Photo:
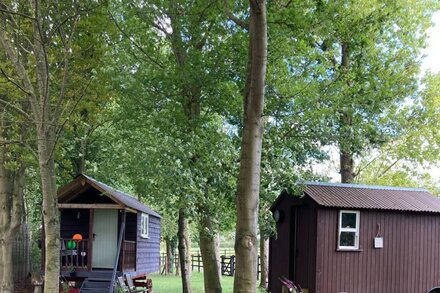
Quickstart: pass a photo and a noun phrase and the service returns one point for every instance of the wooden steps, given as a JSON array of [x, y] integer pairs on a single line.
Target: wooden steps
[[97, 281], [98, 285]]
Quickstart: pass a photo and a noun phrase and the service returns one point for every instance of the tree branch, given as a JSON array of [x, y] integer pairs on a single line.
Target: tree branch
[[21, 70], [243, 24], [57, 135], [135, 44], [388, 168], [14, 82], [42, 63], [9, 104], [15, 13]]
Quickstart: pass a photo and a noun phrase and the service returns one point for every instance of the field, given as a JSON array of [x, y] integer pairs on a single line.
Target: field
[[172, 284]]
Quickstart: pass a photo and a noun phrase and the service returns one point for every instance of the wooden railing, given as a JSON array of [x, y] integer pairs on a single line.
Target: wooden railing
[[129, 255], [74, 254]]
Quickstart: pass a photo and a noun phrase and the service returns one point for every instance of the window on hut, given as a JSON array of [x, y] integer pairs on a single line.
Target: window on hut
[[145, 219], [348, 236]]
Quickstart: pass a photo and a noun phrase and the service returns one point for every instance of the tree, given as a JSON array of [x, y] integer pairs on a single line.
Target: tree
[[376, 67], [180, 94], [249, 176], [406, 160], [42, 44], [361, 62]]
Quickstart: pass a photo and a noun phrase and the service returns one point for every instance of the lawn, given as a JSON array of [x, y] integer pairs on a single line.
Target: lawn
[[173, 284]]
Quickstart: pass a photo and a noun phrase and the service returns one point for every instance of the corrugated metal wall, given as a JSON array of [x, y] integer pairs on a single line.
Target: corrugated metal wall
[[409, 261]]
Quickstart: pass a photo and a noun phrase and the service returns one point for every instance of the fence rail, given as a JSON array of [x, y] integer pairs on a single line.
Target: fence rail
[[196, 262], [227, 263]]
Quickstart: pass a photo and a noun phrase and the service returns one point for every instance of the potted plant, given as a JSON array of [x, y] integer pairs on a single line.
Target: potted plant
[[72, 271]]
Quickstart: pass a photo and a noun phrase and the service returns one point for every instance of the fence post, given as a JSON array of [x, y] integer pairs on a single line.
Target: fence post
[[258, 267], [232, 265]]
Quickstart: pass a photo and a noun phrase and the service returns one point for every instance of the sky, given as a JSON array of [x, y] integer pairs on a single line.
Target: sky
[[432, 52]]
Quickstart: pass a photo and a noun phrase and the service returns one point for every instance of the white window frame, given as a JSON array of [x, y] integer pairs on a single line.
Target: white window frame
[[352, 230], [145, 225]]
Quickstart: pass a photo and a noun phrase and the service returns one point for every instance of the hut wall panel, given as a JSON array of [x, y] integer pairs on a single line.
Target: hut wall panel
[[70, 224], [407, 263], [92, 195], [279, 252], [281, 246], [305, 262], [148, 249]]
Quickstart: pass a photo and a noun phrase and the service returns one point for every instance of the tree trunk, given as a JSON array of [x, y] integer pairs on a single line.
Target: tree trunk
[[184, 252], [11, 207], [248, 187], [170, 250], [168, 260], [1, 264], [264, 261], [7, 282], [347, 167], [209, 248], [345, 153], [50, 209]]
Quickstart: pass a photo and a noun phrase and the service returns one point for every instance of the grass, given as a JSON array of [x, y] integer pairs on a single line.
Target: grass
[[173, 284]]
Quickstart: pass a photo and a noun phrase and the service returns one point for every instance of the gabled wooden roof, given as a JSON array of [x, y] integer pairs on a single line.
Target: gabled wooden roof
[[83, 182]]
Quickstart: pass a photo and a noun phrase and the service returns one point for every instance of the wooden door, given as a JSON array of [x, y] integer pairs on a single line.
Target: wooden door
[[293, 244], [105, 238]]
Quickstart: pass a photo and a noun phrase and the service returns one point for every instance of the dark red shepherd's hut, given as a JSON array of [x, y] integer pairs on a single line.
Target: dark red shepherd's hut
[[348, 238]]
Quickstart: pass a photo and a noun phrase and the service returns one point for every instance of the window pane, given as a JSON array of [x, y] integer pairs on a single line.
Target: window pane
[[348, 220], [347, 239]]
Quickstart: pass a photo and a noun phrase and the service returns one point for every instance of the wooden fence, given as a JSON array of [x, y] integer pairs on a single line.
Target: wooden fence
[[163, 263], [21, 254], [227, 263]]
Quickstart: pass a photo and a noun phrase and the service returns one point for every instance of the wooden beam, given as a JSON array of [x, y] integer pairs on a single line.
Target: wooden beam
[[131, 210], [89, 206]]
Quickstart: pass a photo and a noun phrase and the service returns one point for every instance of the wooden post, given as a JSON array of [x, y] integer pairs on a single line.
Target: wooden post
[[232, 263], [90, 244], [118, 250], [123, 248]]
